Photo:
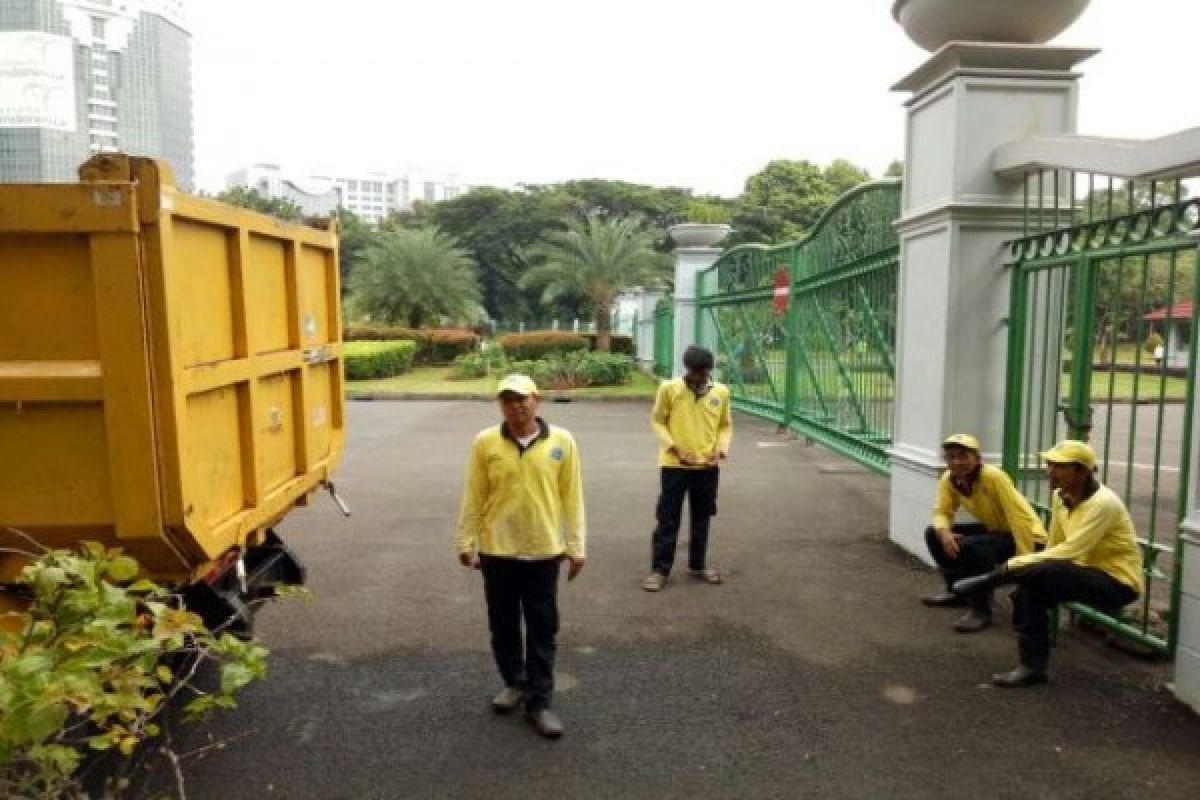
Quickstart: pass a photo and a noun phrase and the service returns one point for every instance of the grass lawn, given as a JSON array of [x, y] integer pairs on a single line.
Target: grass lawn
[[1148, 386], [436, 380]]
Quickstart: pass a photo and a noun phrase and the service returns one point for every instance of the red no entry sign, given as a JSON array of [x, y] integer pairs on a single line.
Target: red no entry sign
[[783, 290]]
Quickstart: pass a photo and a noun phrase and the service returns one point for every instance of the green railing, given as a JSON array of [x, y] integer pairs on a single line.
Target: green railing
[[664, 337], [1104, 273], [823, 363]]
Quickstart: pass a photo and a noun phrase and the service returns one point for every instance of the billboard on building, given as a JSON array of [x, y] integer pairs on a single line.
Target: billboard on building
[[37, 81]]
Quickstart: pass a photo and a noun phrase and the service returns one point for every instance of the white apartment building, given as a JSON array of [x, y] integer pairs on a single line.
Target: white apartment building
[[372, 195]]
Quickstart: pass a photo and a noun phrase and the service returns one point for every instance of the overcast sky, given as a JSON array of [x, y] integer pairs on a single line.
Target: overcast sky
[[695, 93]]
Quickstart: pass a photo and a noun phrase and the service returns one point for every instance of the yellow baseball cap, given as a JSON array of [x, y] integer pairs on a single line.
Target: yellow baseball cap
[[1070, 451], [962, 440], [518, 384]]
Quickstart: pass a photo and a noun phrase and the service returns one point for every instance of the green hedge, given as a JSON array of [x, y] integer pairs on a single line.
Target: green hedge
[[618, 343], [479, 363], [434, 345], [373, 360], [539, 344], [576, 370]]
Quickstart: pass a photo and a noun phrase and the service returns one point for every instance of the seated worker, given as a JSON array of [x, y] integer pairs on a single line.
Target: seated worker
[[1007, 526], [1092, 557]]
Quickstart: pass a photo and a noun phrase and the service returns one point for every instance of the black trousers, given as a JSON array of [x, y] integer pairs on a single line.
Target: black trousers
[[517, 588], [980, 551], [1042, 587], [700, 488]]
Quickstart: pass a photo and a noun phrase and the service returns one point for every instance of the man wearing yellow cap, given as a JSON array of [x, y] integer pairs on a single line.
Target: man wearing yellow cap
[[1007, 526], [1092, 557], [522, 515]]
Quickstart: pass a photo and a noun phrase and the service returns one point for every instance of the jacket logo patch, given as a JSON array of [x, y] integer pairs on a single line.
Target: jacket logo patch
[[716, 401], [557, 454]]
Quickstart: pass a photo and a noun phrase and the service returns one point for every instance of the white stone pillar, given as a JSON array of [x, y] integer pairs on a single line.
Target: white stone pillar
[[1187, 654], [689, 263], [966, 100]]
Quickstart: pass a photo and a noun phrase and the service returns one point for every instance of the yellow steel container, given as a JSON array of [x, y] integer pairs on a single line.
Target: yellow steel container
[[170, 366]]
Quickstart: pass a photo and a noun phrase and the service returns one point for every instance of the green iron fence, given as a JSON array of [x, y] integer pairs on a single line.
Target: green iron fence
[[1102, 337], [664, 337], [822, 363]]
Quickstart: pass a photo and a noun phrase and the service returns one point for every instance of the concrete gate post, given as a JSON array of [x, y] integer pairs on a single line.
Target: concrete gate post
[[1187, 653], [966, 100], [696, 250]]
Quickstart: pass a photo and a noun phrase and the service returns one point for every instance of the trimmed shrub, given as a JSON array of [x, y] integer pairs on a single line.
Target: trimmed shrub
[[606, 369], [618, 343], [443, 345], [373, 360], [577, 369], [379, 333], [479, 364], [434, 345], [539, 344]]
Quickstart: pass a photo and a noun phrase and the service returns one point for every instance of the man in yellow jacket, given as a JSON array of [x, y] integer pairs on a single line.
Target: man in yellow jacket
[[1007, 526], [1092, 557], [522, 515], [694, 425]]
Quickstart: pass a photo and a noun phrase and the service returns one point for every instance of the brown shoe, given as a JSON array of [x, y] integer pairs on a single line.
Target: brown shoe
[[545, 722], [709, 575], [654, 582]]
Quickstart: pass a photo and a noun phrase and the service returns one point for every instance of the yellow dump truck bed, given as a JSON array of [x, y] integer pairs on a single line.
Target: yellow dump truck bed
[[170, 366]]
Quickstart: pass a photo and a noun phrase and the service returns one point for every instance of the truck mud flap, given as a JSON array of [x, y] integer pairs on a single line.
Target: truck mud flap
[[229, 601]]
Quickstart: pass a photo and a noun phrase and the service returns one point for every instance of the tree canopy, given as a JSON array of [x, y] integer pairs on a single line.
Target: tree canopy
[[415, 278], [595, 258]]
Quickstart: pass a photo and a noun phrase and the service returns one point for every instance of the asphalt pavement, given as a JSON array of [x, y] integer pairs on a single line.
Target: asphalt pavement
[[812, 673]]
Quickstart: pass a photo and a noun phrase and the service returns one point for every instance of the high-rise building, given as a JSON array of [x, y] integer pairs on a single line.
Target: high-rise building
[[372, 195], [79, 77]]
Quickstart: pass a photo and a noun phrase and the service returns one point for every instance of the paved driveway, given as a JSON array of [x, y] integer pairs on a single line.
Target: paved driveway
[[812, 673]]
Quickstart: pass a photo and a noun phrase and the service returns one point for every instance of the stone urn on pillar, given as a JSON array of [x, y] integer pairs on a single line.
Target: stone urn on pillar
[[698, 234], [933, 23]]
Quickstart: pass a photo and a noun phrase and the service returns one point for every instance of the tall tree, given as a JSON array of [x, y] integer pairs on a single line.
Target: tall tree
[[250, 198], [354, 236], [843, 176], [784, 200], [597, 257], [497, 226], [416, 278]]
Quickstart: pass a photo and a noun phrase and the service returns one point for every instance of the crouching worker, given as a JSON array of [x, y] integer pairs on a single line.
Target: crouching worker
[[1092, 557], [1007, 526], [522, 516]]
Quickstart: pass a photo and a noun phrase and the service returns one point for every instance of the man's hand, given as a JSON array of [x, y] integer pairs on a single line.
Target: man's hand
[[950, 541], [574, 567], [469, 560], [714, 458], [687, 458]]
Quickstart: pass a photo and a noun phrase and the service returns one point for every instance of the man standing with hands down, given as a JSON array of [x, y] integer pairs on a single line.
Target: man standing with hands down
[[694, 425], [1092, 557], [522, 515]]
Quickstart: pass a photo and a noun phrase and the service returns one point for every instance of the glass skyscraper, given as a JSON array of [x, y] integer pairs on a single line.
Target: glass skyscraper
[[79, 77]]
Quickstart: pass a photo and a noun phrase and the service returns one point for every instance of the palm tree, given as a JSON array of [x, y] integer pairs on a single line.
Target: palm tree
[[414, 277], [595, 258]]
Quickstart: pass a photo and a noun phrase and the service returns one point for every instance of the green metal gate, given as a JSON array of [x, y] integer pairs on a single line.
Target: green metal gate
[[664, 337], [824, 364], [1102, 338]]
